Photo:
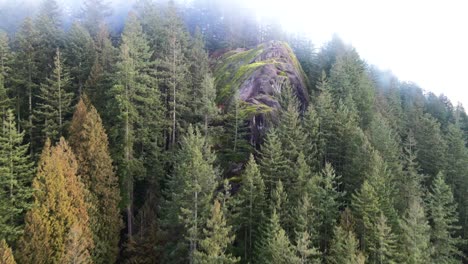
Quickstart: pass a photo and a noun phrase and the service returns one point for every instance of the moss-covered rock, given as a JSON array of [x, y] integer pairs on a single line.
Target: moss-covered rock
[[259, 74]]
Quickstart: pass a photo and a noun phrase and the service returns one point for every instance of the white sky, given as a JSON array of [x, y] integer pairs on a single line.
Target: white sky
[[421, 41]]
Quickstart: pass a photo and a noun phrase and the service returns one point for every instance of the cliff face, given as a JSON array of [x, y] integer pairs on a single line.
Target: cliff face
[[259, 75]]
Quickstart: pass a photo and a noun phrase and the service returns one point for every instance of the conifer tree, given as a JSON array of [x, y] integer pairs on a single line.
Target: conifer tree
[[55, 101], [89, 142], [25, 78], [273, 163], [249, 209], [174, 68], [6, 254], [274, 246], [16, 173], [190, 190], [344, 248], [326, 197], [80, 56], [312, 144], [385, 248], [415, 238], [217, 237], [442, 210], [48, 25], [94, 14], [306, 252], [138, 122], [59, 207], [5, 74]]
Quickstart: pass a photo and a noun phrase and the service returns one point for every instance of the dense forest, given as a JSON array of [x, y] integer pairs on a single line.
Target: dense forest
[[143, 144]]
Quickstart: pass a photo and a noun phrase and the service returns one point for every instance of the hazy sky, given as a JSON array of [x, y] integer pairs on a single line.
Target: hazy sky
[[421, 41]]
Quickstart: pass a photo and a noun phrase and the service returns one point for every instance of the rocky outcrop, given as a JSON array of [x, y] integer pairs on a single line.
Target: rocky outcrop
[[259, 75]]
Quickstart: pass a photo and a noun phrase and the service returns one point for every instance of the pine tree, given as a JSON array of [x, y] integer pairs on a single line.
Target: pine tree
[[16, 173], [442, 210], [274, 246], [59, 207], [6, 254], [217, 237], [306, 252], [55, 101], [415, 244], [89, 142], [190, 190], [249, 209]]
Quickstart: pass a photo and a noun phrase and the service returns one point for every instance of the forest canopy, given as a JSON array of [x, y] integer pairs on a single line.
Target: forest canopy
[[195, 133]]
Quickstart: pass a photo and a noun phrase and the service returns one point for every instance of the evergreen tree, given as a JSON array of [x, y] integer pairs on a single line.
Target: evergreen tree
[[415, 244], [80, 56], [273, 163], [312, 142], [174, 68], [306, 252], [48, 25], [274, 246], [59, 208], [190, 190], [249, 209], [344, 248], [94, 14], [6, 255], [55, 101], [16, 173], [25, 78], [442, 210], [138, 122], [89, 142], [217, 238], [5, 74], [326, 198], [385, 248]]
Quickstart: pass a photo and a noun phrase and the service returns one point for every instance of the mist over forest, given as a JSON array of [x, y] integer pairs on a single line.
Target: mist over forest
[[201, 132]]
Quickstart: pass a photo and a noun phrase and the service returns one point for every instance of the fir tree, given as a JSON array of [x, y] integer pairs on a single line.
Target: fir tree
[[59, 206], [442, 210], [415, 238], [273, 163], [25, 78], [137, 102], [79, 53], [274, 246], [94, 14], [55, 101], [249, 209], [217, 238], [89, 142], [326, 197], [16, 173], [344, 248], [385, 248], [5, 74], [190, 190], [6, 254]]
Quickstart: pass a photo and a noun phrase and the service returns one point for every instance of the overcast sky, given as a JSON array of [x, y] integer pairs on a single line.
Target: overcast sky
[[421, 41]]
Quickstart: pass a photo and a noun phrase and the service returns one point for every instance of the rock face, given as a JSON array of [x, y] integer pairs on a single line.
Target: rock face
[[259, 75]]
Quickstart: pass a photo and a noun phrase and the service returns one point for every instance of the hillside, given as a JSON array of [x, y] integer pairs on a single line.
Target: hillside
[[198, 135]]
